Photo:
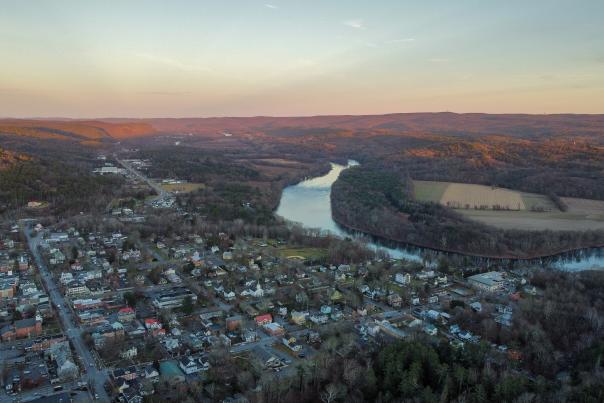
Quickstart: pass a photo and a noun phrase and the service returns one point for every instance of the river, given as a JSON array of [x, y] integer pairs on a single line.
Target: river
[[308, 203]]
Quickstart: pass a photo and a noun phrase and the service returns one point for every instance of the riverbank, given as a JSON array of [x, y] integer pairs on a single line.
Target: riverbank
[[309, 204], [528, 258], [323, 169]]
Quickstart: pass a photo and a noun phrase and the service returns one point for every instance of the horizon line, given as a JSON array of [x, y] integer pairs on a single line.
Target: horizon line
[[65, 118]]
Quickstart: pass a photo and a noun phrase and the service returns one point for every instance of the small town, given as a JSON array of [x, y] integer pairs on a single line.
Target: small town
[[119, 316]]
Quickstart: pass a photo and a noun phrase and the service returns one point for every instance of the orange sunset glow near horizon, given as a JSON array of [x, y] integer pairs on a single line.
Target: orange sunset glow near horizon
[[293, 58]]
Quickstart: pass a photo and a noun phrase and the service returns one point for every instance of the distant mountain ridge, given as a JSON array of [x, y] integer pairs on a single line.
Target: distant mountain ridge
[[85, 132], [443, 123], [434, 123]]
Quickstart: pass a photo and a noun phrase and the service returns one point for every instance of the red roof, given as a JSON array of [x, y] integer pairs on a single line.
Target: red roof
[[126, 310], [152, 323], [264, 318]]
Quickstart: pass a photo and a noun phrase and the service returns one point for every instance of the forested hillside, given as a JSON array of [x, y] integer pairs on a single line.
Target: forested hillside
[[64, 189], [10, 158], [92, 133], [563, 154]]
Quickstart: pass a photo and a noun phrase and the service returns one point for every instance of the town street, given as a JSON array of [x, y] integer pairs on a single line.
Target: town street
[[161, 193], [93, 376]]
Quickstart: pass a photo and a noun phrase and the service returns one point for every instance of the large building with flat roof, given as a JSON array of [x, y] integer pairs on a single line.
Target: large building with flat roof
[[490, 281], [173, 298]]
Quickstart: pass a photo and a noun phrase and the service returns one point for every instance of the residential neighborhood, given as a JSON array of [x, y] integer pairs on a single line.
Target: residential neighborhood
[[118, 316]]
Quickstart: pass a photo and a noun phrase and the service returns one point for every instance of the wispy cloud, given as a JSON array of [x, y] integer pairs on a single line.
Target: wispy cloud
[[401, 40], [177, 64], [268, 5], [356, 24]]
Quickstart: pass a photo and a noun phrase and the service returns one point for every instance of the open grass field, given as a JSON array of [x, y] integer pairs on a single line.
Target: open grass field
[[533, 221], [302, 253], [534, 201], [582, 214], [429, 191], [469, 196], [461, 195], [280, 161], [182, 187], [593, 209]]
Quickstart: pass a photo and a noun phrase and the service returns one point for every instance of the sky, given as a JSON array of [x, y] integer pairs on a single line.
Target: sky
[[145, 58]]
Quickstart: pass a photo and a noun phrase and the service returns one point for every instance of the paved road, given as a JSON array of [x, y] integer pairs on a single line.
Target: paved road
[[93, 376], [263, 340], [47, 390], [162, 194]]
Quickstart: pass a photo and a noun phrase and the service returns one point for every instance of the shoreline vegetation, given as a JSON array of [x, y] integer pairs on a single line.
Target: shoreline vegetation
[[399, 243], [373, 200]]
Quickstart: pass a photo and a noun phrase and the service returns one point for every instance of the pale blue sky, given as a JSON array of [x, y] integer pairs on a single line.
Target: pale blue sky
[[241, 58]]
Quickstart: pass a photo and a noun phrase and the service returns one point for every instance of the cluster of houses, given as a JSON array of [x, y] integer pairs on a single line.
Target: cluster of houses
[[81, 264], [160, 321], [39, 353], [431, 312], [45, 361], [24, 304]]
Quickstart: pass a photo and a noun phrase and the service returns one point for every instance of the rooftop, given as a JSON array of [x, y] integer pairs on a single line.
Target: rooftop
[[491, 278]]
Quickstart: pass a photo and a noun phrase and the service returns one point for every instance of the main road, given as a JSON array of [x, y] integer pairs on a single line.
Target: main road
[[162, 194], [94, 376]]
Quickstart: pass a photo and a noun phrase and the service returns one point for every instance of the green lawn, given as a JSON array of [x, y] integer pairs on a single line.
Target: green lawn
[[429, 191], [302, 252], [534, 200]]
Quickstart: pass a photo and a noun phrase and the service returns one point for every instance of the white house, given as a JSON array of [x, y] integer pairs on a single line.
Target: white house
[[402, 278], [129, 352], [188, 365], [66, 278], [318, 319]]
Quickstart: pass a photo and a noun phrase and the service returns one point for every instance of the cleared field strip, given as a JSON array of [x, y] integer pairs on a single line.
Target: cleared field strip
[[593, 209], [182, 187], [532, 221], [458, 195], [534, 202], [480, 197], [280, 161], [302, 253], [429, 191], [536, 212]]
